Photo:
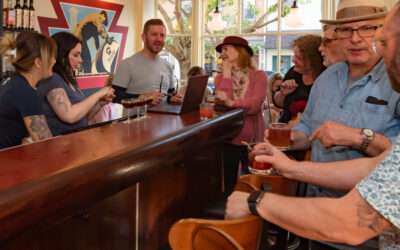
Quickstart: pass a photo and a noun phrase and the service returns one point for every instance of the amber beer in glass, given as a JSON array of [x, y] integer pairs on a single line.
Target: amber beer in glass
[[279, 135], [128, 103], [206, 111], [261, 168]]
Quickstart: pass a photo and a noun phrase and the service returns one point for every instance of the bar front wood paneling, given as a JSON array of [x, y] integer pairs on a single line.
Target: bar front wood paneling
[[118, 186]]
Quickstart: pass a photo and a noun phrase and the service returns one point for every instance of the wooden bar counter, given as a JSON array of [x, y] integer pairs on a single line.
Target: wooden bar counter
[[119, 186]]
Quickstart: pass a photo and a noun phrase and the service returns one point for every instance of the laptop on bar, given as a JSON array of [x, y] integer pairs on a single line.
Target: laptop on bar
[[191, 101]]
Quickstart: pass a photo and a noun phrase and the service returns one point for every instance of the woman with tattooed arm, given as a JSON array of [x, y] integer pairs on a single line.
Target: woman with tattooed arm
[[21, 112], [65, 106]]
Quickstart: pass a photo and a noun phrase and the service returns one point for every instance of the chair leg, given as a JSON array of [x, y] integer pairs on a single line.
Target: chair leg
[[273, 237], [282, 239], [263, 243]]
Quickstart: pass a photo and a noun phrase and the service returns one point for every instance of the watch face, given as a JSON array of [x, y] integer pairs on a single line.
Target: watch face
[[368, 132]]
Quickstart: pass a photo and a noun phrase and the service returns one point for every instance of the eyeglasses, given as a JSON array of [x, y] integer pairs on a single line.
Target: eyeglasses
[[326, 41], [363, 31]]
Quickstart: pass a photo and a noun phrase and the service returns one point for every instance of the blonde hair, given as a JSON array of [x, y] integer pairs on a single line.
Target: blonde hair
[[244, 60], [29, 46]]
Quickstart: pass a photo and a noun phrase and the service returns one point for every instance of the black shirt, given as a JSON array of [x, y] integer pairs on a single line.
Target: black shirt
[[18, 99], [295, 102]]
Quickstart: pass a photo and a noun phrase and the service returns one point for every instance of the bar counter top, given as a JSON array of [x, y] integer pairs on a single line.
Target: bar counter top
[[61, 174]]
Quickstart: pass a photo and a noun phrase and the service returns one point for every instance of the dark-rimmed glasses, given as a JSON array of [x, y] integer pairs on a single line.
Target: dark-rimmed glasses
[[363, 31], [326, 41]]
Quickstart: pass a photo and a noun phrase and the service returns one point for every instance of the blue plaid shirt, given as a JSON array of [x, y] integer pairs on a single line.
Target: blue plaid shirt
[[332, 98]]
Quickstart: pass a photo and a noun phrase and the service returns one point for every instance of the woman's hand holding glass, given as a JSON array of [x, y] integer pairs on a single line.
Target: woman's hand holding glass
[[107, 94], [222, 98]]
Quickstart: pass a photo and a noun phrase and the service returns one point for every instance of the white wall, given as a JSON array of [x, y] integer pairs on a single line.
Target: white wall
[[390, 3]]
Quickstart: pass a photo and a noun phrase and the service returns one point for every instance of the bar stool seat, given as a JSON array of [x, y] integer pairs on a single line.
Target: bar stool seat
[[246, 233], [240, 234]]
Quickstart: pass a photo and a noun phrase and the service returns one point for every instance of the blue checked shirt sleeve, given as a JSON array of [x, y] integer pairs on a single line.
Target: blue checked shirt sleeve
[[381, 189]]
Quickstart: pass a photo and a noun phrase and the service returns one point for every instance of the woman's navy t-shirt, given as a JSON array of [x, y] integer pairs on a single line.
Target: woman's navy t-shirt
[[56, 125], [18, 99]]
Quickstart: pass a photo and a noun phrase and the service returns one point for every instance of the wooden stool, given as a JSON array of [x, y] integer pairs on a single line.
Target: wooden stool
[[191, 234], [244, 233]]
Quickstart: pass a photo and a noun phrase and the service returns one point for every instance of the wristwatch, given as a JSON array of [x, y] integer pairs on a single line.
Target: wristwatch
[[367, 136], [253, 200]]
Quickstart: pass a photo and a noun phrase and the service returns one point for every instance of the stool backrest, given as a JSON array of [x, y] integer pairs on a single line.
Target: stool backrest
[[198, 234]]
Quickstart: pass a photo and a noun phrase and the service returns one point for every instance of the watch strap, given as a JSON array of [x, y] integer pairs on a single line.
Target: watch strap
[[253, 199], [366, 140]]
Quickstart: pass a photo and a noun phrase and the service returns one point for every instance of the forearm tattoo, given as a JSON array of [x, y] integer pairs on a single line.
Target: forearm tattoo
[[37, 127], [369, 217], [96, 108], [58, 99]]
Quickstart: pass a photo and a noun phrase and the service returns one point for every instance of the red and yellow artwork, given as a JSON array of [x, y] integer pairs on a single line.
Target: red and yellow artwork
[[95, 23]]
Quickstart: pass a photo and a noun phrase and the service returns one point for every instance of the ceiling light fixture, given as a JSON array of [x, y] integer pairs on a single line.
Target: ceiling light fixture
[[293, 20], [216, 23]]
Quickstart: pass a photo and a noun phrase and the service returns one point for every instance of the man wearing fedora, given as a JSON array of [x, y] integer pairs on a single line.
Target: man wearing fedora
[[352, 110], [371, 208]]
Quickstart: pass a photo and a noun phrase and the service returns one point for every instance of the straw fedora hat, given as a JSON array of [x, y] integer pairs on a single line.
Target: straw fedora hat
[[357, 10], [237, 41]]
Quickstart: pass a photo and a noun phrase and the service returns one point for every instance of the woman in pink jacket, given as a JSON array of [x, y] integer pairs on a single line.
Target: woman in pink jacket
[[240, 85]]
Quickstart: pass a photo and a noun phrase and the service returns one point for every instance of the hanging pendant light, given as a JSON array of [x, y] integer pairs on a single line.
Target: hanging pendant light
[[216, 23], [293, 20]]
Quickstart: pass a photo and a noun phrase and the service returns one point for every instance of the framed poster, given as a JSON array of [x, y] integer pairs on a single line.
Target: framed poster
[[95, 23]]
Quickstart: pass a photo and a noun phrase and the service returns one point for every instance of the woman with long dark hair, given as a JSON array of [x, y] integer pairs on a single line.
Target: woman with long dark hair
[[65, 105], [21, 113]]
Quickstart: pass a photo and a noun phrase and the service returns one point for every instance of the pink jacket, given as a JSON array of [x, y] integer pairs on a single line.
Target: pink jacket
[[253, 128]]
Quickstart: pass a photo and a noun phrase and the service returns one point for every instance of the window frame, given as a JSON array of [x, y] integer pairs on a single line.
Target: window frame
[[199, 35]]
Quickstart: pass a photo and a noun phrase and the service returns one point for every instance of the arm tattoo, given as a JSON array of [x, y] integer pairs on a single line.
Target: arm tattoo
[[96, 108], [57, 99], [369, 217], [37, 127]]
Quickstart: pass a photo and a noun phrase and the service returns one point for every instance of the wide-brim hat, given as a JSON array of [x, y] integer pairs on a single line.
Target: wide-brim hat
[[236, 41], [357, 10]]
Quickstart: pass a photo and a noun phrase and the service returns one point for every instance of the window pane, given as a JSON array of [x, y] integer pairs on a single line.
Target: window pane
[[179, 48], [272, 9], [210, 55], [229, 12], [264, 48], [305, 17], [259, 15], [287, 52], [176, 67], [166, 11], [266, 52]]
